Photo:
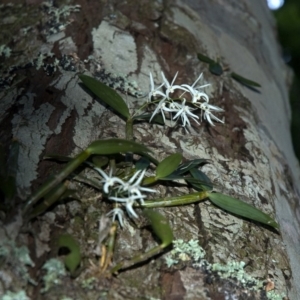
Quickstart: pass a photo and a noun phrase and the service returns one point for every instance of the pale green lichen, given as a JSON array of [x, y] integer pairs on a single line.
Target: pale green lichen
[[21, 295], [185, 251], [55, 269], [272, 295], [17, 258], [235, 270], [192, 251], [88, 283], [5, 51]]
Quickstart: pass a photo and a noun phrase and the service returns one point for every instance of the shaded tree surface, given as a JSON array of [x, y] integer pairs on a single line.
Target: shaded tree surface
[[45, 109]]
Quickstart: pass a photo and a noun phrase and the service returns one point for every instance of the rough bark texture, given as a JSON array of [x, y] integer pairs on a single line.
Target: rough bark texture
[[251, 155]]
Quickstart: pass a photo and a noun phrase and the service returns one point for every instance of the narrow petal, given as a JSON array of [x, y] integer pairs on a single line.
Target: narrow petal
[[159, 107], [174, 78], [130, 210], [140, 178], [118, 199], [165, 80], [207, 117], [197, 80], [147, 190], [102, 173], [151, 82], [117, 213], [135, 175]]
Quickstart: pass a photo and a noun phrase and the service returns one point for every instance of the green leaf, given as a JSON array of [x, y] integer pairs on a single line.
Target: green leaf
[[60, 158], [113, 146], [100, 161], [241, 208], [106, 94], [205, 59], [73, 259], [203, 184], [95, 183], [158, 118], [187, 166], [53, 196], [160, 226], [244, 80], [96, 161], [215, 68], [142, 164], [168, 165]]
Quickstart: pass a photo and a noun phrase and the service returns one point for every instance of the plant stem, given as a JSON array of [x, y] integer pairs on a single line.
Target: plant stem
[[55, 180], [175, 201], [139, 258], [129, 129]]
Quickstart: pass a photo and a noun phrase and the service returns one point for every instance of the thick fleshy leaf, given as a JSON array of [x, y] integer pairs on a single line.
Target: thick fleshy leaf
[[160, 226], [205, 59], [204, 183], [73, 259], [241, 208], [113, 146], [106, 94], [244, 81], [188, 165], [59, 192], [96, 161], [158, 119], [142, 163], [215, 68], [95, 183], [168, 165], [100, 161]]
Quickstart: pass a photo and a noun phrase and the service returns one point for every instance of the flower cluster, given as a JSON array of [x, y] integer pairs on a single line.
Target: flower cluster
[[182, 107], [126, 193]]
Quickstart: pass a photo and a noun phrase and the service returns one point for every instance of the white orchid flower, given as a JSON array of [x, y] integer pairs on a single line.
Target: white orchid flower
[[206, 111], [170, 88], [134, 189], [184, 112], [160, 107], [108, 180]]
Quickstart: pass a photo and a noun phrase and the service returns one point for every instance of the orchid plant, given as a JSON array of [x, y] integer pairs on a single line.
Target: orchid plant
[[126, 185]]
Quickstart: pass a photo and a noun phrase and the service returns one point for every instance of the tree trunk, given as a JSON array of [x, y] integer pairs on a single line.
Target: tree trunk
[[251, 155]]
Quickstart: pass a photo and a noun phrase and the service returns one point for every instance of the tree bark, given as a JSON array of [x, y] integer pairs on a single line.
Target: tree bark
[[251, 156]]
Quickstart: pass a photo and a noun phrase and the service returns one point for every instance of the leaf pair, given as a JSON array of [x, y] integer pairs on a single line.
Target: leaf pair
[[171, 169], [216, 69]]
